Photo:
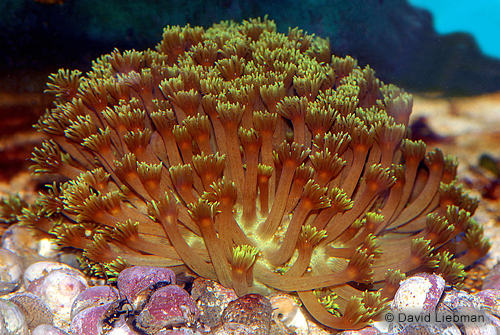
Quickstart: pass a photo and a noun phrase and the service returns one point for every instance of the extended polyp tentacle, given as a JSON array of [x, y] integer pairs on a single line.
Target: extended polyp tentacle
[[265, 124], [394, 198], [355, 315], [413, 153], [290, 156], [251, 142], [362, 140], [165, 211], [339, 203], [165, 122], [209, 168], [308, 239], [312, 198], [224, 194], [242, 260], [230, 116], [203, 214], [377, 180], [199, 128], [294, 109], [435, 163]]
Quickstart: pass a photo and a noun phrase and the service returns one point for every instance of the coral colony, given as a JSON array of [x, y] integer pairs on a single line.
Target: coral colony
[[254, 159]]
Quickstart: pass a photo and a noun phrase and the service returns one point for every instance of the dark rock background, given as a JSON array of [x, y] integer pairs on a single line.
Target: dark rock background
[[396, 39]]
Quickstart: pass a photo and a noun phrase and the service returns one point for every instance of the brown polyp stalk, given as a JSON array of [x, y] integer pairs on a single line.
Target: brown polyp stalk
[[165, 210], [224, 194], [203, 214], [389, 137], [184, 142], [251, 142], [183, 180], [326, 165], [230, 115], [295, 109], [345, 253], [435, 165], [242, 260], [199, 128], [339, 203], [322, 315], [263, 176], [209, 104], [394, 198], [224, 197], [413, 153], [285, 283], [165, 128], [370, 224], [209, 168], [419, 251], [307, 240], [302, 175], [360, 150], [377, 181], [291, 156], [128, 235], [312, 198], [265, 123], [126, 170]]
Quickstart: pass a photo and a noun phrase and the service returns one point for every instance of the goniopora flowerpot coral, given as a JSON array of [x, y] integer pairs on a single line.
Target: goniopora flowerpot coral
[[255, 159]]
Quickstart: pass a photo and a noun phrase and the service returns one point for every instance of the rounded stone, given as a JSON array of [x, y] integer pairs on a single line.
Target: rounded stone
[[455, 299], [12, 320], [32, 245], [211, 298], [168, 306], [88, 321], [430, 329], [364, 331], [101, 319], [11, 271], [489, 300], [254, 311], [45, 329], [138, 282], [492, 279], [178, 331], [94, 296], [287, 313], [419, 294], [35, 310], [121, 327], [39, 269], [58, 290]]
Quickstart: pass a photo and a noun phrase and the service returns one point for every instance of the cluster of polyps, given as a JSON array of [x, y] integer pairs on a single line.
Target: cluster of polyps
[[255, 159]]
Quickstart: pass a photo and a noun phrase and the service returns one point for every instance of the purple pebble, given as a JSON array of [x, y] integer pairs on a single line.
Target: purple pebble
[[88, 321], [132, 281], [168, 306], [93, 296]]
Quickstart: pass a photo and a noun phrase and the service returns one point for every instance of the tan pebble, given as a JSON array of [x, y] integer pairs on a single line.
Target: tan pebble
[[43, 268], [11, 271], [420, 293], [34, 309], [288, 312]]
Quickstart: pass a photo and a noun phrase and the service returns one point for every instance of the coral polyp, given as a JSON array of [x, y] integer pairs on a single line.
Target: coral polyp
[[255, 159]]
